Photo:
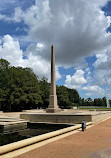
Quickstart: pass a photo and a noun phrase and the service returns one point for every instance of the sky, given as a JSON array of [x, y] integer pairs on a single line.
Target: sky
[[80, 31]]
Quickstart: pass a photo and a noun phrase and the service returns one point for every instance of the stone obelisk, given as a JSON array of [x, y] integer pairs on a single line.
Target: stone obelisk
[[53, 106]]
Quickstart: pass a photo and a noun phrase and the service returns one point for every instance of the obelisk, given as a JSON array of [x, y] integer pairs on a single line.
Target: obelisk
[[53, 106]]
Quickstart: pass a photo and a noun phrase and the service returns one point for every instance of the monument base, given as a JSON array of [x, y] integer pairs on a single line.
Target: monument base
[[68, 117], [52, 110]]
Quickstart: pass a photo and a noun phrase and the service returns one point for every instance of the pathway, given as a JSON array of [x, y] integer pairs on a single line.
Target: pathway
[[95, 142]]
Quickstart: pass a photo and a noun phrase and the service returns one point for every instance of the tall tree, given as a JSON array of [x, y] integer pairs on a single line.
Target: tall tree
[[21, 89], [45, 92]]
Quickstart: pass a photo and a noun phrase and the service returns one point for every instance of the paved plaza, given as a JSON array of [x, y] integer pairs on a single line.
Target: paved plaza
[[95, 142]]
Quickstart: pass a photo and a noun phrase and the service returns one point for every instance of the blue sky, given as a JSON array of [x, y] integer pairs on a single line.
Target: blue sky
[[80, 31]]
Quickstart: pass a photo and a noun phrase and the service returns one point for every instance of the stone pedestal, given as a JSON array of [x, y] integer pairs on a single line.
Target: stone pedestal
[[53, 110]]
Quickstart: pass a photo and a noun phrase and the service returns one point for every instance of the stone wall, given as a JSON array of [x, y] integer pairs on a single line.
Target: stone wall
[[65, 118]]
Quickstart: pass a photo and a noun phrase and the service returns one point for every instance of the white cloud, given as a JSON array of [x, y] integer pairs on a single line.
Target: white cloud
[[40, 46], [77, 28], [101, 58], [94, 90], [17, 17], [102, 73], [100, 76], [88, 71], [19, 14], [75, 81], [10, 50], [58, 75]]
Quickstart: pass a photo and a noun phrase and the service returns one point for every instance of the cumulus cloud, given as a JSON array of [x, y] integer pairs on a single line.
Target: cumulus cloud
[[75, 81], [10, 50], [101, 59], [77, 28], [94, 90], [17, 15], [88, 71], [102, 73]]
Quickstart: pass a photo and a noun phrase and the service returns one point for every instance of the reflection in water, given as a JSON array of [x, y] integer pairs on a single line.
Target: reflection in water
[[33, 129]]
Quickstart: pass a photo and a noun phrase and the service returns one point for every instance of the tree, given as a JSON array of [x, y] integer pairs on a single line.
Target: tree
[[63, 97], [74, 96], [89, 102], [4, 82], [82, 102], [19, 87], [67, 97], [45, 92], [110, 103], [99, 102], [104, 101]]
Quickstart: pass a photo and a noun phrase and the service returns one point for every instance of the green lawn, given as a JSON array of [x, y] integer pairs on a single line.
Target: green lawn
[[93, 108]]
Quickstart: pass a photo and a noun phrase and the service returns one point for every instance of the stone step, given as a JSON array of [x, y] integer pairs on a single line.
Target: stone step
[[11, 125]]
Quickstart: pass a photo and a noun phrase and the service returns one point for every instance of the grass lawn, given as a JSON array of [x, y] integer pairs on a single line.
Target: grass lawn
[[94, 108]]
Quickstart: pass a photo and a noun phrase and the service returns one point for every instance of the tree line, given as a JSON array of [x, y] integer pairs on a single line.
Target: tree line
[[96, 102], [21, 89]]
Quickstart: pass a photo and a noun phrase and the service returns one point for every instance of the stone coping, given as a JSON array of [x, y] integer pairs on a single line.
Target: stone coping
[[34, 110], [55, 114], [53, 123], [11, 123], [71, 114]]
